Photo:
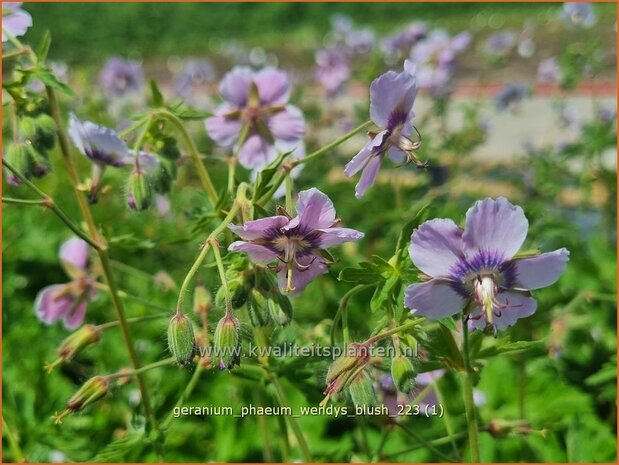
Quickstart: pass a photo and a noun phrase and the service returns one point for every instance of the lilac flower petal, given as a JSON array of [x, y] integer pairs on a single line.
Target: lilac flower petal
[[436, 246], [288, 125], [434, 299], [540, 271], [74, 252], [360, 160], [337, 236], [224, 131], [390, 93], [495, 225], [74, 319], [256, 153], [98, 143], [257, 229], [429, 377], [368, 176], [514, 305], [314, 211], [16, 22], [257, 253], [396, 155], [234, 87], [50, 306], [300, 279], [273, 86]]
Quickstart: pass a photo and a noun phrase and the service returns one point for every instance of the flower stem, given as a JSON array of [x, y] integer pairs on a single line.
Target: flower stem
[[152, 366], [289, 186], [469, 404], [46, 201], [193, 152], [342, 312], [101, 249], [332, 145], [425, 443], [136, 319], [222, 276], [18, 455], [196, 265], [389, 332], [184, 395], [296, 429]]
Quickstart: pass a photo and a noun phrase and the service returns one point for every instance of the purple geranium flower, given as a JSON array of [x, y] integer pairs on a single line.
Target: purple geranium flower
[[295, 242], [68, 301], [332, 69], [510, 95], [548, 71], [402, 41], [256, 106], [194, 75], [102, 145], [392, 96], [435, 58], [578, 14], [15, 21], [120, 77], [478, 265], [500, 43]]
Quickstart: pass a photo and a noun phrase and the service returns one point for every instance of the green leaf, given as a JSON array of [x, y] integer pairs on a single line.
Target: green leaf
[[367, 274], [504, 347], [48, 78], [266, 175], [44, 46], [157, 96], [444, 347], [118, 449], [384, 292]]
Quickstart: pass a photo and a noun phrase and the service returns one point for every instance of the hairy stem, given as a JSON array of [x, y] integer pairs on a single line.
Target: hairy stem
[[469, 404], [205, 179], [151, 366]]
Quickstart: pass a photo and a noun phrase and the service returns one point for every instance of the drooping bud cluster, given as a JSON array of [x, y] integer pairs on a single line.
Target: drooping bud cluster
[[346, 369], [181, 339]]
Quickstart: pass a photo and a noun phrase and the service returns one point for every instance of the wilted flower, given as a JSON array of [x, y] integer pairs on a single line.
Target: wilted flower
[[295, 242], [435, 58], [578, 14], [68, 301], [15, 21], [332, 69], [392, 96], [548, 71], [510, 95], [120, 77], [256, 116], [478, 265]]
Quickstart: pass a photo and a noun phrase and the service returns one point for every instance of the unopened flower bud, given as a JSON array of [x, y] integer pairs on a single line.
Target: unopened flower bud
[[361, 390], [28, 128], [345, 368], [257, 309], [201, 300], [18, 156], [181, 340], [227, 341], [39, 166], [78, 341], [403, 374], [91, 391], [139, 191], [280, 310], [46, 131]]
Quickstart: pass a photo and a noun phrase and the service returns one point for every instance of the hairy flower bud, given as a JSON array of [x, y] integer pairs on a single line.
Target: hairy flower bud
[[280, 310], [78, 341], [228, 342], [257, 309], [139, 191], [201, 300], [345, 369], [28, 128], [181, 340], [46, 131], [18, 156], [403, 373], [361, 390]]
